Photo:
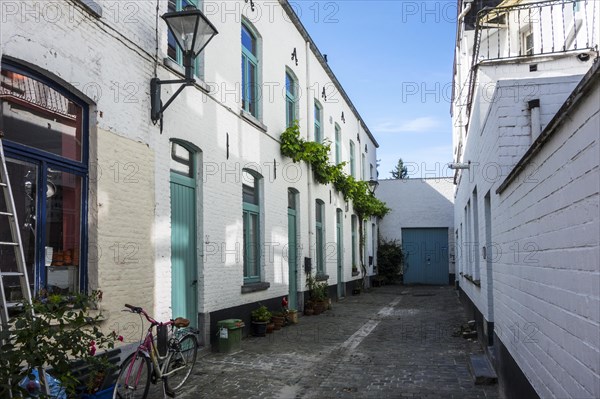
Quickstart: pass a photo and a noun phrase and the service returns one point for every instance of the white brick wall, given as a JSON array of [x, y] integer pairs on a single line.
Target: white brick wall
[[418, 203], [545, 235], [109, 62]]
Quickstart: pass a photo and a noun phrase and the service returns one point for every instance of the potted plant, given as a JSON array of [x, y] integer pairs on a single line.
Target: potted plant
[[309, 309], [279, 320], [260, 317], [357, 287]]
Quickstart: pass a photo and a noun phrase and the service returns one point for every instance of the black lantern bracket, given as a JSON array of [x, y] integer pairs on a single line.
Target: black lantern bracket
[[192, 31]]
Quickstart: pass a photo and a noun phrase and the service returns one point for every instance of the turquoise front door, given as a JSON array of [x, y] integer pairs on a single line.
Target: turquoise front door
[[184, 270], [425, 256], [292, 260], [340, 251]]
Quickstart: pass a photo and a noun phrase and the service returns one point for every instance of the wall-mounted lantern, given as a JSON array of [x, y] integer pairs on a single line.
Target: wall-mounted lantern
[[373, 184], [192, 32]]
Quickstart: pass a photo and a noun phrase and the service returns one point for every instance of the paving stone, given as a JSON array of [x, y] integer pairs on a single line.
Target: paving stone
[[409, 354]]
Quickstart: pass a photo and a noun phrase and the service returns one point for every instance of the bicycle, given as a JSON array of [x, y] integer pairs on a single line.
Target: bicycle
[[170, 359]]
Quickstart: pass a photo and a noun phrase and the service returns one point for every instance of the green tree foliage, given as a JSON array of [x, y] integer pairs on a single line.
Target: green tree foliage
[[400, 171]]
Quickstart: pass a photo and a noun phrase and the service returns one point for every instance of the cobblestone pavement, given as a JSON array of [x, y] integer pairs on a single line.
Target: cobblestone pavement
[[392, 342]]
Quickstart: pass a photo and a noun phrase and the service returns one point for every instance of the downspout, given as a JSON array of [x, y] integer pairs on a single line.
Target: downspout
[[309, 180], [458, 65]]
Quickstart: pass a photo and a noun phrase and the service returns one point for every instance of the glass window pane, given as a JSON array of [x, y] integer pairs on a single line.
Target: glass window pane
[[249, 189], [252, 88], [38, 116], [291, 199], [319, 249], [290, 85], [181, 160], [24, 178], [248, 40], [251, 252], [319, 212], [63, 231]]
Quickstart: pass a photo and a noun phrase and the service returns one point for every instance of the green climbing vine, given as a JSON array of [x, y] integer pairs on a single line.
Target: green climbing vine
[[317, 155]]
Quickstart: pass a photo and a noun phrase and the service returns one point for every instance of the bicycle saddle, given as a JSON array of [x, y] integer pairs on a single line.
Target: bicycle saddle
[[181, 322]]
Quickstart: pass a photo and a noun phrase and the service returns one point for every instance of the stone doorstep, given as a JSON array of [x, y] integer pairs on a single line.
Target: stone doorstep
[[482, 371]]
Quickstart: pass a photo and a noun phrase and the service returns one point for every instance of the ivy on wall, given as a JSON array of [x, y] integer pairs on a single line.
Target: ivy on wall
[[317, 155]]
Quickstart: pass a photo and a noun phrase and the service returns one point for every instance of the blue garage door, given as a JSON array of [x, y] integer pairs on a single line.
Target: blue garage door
[[425, 256]]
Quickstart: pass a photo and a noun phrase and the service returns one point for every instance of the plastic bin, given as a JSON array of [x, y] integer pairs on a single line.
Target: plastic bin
[[230, 335]]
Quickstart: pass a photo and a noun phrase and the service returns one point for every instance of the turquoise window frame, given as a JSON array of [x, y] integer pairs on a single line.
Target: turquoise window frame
[[249, 59], [318, 121], [179, 5], [320, 237], [338, 144], [291, 98], [249, 211], [352, 160]]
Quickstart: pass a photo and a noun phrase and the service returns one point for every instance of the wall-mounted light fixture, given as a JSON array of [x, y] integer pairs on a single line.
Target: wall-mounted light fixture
[[324, 94], [343, 117], [192, 32], [295, 56], [459, 165], [373, 184]]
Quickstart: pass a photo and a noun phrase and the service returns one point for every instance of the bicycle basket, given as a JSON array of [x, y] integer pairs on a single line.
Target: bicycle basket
[[162, 339]]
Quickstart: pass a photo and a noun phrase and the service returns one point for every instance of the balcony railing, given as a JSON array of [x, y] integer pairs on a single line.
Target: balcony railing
[[525, 30], [529, 29]]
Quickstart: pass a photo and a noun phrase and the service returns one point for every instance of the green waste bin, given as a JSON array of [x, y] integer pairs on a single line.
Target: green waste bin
[[230, 335]]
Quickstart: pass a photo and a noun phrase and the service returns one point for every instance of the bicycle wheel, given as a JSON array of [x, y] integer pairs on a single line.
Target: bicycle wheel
[[183, 359], [134, 378]]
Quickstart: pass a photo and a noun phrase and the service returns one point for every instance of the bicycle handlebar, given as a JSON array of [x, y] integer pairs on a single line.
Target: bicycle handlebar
[[139, 310]]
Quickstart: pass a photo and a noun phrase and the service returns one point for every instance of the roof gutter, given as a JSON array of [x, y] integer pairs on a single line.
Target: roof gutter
[[294, 18]]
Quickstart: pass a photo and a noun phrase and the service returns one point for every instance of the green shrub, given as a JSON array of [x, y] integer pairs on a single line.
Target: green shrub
[[389, 259]]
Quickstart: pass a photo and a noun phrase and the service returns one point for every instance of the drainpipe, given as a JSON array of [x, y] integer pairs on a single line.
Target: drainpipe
[[309, 180], [460, 18]]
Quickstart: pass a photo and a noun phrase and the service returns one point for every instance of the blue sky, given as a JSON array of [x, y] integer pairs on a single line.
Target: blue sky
[[394, 59]]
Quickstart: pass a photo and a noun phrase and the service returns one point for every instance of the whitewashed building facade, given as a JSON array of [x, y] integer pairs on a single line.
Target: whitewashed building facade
[[193, 218], [525, 131]]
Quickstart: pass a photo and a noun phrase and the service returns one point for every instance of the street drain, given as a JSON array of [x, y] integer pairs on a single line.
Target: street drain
[[424, 294]]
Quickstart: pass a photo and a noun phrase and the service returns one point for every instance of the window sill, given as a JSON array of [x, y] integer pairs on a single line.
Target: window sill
[[92, 7], [178, 69], [474, 282], [254, 287], [253, 121], [322, 277]]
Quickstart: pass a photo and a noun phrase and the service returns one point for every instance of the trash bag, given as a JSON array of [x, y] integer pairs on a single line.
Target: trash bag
[[32, 385]]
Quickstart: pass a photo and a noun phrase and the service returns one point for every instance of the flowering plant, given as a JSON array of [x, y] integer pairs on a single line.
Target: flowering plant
[[50, 334]]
